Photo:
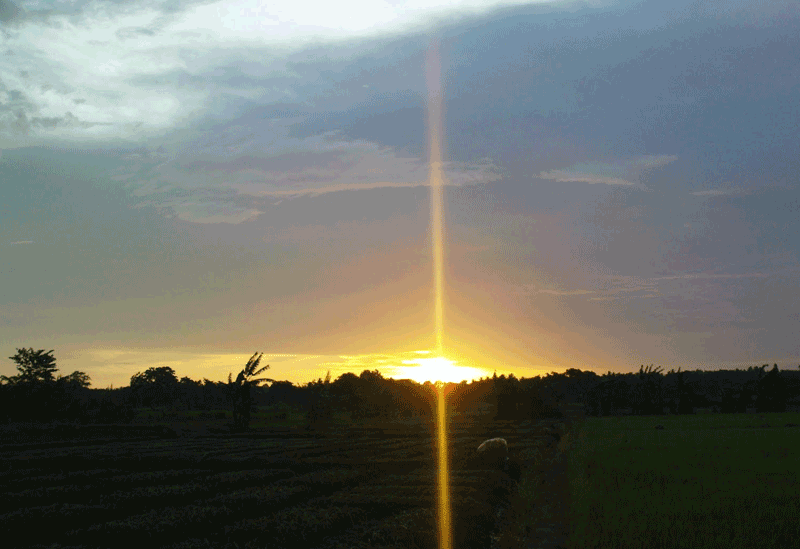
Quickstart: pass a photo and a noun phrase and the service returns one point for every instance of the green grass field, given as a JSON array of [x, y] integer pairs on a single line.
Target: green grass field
[[727, 481]]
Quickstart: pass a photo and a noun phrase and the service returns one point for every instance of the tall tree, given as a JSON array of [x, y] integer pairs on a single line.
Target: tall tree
[[76, 379], [156, 386], [33, 366], [240, 394], [771, 396]]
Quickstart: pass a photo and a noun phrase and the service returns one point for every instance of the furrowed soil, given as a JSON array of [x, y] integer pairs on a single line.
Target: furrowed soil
[[360, 486]]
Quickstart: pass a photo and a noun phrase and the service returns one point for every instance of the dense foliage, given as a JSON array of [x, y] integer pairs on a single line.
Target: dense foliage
[[37, 393]]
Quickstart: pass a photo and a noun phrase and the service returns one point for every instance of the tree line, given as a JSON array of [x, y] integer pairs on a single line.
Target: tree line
[[39, 393]]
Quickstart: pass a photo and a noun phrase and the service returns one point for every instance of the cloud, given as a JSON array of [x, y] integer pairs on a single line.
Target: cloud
[[622, 172], [531, 289], [715, 192], [132, 72], [230, 174], [10, 12], [314, 20], [87, 89], [702, 276]]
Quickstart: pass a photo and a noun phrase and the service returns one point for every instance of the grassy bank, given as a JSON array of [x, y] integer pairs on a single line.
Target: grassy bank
[[701, 481]]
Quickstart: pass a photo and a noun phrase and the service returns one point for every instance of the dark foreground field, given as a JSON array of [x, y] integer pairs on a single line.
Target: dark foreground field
[[367, 486]]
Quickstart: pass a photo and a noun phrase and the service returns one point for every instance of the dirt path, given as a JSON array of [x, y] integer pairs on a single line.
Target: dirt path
[[538, 517], [551, 525]]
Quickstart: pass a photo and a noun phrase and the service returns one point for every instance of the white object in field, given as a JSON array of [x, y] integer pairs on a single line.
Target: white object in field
[[494, 452]]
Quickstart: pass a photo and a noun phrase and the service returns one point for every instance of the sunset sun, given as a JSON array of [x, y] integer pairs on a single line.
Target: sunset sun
[[438, 368]]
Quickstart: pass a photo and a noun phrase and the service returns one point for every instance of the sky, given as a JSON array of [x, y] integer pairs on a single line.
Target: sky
[[185, 183]]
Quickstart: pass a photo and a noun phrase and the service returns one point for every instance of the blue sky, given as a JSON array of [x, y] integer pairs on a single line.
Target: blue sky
[[184, 183]]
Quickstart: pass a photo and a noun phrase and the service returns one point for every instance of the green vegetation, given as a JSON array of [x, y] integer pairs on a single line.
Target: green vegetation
[[701, 481]]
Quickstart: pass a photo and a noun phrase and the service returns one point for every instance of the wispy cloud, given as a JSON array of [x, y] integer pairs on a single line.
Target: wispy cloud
[[622, 172], [532, 289], [207, 182], [710, 193]]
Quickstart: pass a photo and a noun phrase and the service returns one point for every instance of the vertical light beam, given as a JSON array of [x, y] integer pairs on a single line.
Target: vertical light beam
[[445, 530], [435, 107], [435, 115]]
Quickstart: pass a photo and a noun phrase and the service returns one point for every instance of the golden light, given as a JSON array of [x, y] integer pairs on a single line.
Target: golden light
[[437, 368], [445, 525]]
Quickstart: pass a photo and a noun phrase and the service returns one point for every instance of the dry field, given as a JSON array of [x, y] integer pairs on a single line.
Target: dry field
[[367, 486]]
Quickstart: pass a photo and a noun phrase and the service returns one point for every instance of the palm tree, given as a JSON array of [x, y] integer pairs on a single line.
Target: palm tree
[[240, 390]]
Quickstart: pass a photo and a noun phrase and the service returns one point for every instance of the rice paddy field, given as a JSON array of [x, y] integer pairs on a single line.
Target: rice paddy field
[[703, 481], [369, 486]]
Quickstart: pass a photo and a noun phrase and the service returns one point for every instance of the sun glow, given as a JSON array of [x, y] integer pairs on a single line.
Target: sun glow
[[437, 368]]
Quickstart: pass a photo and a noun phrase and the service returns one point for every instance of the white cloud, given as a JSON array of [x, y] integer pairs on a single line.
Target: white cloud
[[129, 72], [91, 86], [621, 172], [310, 20]]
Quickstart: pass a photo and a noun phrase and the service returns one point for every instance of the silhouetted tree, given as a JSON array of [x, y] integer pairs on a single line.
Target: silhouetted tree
[[36, 393], [216, 394], [33, 366], [649, 395], [76, 379], [190, 393], [608, 396], [771, 396], [239, 390], [320, 402], [155, 387], [373, 395], [507, 394], [684, 396], [286, 392], [345, 392]]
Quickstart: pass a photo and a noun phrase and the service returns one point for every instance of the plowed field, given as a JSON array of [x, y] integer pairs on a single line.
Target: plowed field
[[352, 487]]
